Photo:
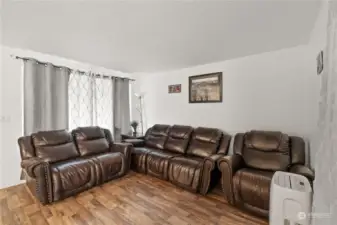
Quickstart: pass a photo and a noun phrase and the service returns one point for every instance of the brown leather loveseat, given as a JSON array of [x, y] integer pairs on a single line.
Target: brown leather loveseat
[[58, 164], [247, 174], [185, 156]]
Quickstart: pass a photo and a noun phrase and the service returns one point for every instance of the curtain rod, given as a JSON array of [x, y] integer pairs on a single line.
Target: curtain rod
[[71, 69]]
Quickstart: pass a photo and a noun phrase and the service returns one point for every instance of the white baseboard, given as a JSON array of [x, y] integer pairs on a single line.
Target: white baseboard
[[3, 186]]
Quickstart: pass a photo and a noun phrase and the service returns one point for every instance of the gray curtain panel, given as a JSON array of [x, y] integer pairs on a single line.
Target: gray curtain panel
[[45, 97], [121, 107]]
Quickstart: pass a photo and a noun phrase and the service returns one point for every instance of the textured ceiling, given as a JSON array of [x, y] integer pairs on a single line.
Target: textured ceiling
[[148, 36]]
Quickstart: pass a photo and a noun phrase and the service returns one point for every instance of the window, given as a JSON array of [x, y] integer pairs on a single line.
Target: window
[[90, 101]]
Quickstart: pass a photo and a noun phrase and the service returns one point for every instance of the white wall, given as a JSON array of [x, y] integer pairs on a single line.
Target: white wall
[[324, 157], [318, 42], [1, 119], [318, 36], [273, 91], [11, 123], [11, 102]]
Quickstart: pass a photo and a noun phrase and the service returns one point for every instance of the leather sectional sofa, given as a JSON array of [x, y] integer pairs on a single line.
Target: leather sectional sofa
[[58, 164], [247, 174], [184, 156]]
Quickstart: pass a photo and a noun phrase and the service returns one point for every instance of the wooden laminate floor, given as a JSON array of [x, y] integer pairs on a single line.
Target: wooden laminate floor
[[133, 199]]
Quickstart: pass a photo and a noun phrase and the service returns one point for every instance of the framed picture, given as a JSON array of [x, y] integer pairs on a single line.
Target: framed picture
[[175, 88], [319, 62], [205, 88]]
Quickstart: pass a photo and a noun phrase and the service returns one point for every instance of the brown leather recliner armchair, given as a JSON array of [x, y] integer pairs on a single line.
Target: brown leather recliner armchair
[[247, 174], [183, 155], [56, 166]]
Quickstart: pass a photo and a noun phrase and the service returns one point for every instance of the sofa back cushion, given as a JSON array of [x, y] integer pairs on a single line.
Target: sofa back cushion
[[204, 142], [90, 140], [54, 146], [157, 136], [267, 150], [178, 138]]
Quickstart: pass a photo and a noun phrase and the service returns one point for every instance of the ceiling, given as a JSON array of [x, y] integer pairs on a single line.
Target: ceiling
[[156, 35]]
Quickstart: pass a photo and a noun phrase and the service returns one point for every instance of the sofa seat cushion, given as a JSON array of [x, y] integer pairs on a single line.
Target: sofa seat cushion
[[138, 159], [72, 176], [109, 166], [185, 171], [157, 163], [252, 187], [140, 150]]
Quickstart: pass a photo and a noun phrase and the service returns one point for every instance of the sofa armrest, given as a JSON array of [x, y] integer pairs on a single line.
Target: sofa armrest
[[214, 158], [224, 144], [207, 176], [40, 172], [124, 148], [135, 142], [31, 164], [229, 165], [303, 170]]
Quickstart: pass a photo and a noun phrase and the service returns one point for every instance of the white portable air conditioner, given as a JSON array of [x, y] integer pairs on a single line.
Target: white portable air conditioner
[[290, 199]]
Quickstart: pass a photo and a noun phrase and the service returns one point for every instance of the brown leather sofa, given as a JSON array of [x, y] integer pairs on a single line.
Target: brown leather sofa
[[58, 164], [185, 156], [246, 175]]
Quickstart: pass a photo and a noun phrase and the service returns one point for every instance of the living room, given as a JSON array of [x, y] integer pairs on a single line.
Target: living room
[[78, 65]]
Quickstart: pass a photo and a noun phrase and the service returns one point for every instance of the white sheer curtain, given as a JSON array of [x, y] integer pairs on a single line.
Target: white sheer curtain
[[80, 100], [103, 102], [95, 100], [90, 101]]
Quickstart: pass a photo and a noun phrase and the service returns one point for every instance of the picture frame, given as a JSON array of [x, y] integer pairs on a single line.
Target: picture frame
[[205, 88], [320, 64], [174, 88]]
